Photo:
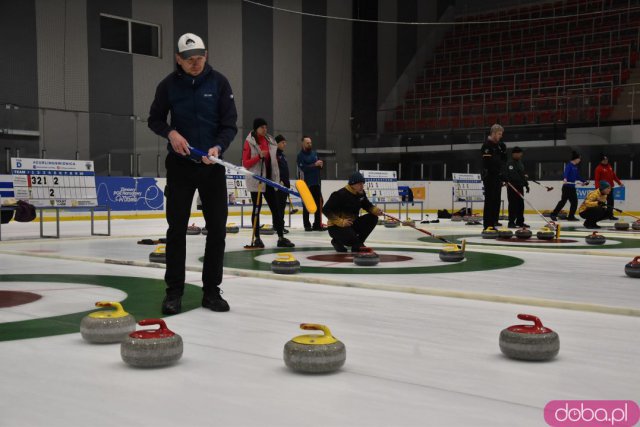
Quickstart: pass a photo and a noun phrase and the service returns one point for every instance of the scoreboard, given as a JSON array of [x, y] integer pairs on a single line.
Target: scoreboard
[[237, 192], [57, 183], [381, 186]]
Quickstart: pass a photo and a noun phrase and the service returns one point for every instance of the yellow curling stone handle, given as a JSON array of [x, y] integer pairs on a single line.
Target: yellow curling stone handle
[[285, 256], [118, 312], [327, 338]]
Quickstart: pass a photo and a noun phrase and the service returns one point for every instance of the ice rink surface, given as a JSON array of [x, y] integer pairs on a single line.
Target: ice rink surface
[[422, 347]]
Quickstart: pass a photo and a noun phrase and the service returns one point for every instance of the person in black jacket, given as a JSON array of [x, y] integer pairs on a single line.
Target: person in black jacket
[[203, 115], [494, 156], [283, 165], [515, 175], [346, 226]]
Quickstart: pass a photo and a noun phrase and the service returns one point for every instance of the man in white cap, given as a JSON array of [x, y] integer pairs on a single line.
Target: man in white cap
[[203, 115]]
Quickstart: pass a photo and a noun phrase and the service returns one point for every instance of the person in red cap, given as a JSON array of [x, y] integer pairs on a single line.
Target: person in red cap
[[604, 172]]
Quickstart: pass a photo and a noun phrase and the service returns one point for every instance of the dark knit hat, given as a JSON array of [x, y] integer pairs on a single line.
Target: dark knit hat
[[258, 123], [604, 185], [575, 155], [355, 178], [516, 150], [280, 138], [603, 156]]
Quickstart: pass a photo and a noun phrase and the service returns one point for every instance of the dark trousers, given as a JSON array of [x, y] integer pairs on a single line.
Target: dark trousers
[[610, 204], [184, 177], [357, 234], [283, 198], [272, 196], [593, 215], [516, 205], [317, 217], [568, 194], [492, 191]]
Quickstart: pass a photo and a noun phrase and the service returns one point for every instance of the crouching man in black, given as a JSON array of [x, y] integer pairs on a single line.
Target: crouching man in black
[[346, 226]]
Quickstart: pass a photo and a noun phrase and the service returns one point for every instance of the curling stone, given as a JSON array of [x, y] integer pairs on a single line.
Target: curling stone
[[204, 231], [529, 342], [636, 225], [232, 228], [151, 348], [452, 252], [546, 233], [159, 255], [315, 353], [193, 230], [285, 263], [523, 233], [632, 269], [505, 233], [473, 221], [489, 233], [107, 326], [366, 257], [595, 239], [267, 230], [391, 223], [456, 218], [621, 225], [409, 222]]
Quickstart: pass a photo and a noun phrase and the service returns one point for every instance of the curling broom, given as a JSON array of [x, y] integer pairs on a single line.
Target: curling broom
[[303, 191]]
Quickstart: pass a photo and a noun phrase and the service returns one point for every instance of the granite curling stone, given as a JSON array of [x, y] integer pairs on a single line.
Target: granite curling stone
[[267, 230], [473, 221], [232, 228], [108, 326], [529, 342], [546, 233], [366, 257], [285, 263], [409, 222], [489, 233], [456, 218], [523, 233], [193, 230], [204, 231], [452, 252], [392, 223], [159, 255], [636, 225], [505, 233], [315, 353], [151, 348], [595, 239], [621, 225], [632, 269]]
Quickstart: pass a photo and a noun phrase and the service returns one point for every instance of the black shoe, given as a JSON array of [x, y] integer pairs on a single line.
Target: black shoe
[[308, 229], [523, 225], [283, 242], [614, 218], [285, 231], [339, 247], [511, 225], [321, 228], [572, 218], [172, 304], [553, 217], [215, 302], [258, 243]]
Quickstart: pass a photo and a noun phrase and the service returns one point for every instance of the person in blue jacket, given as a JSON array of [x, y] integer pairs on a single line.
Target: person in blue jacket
[[309, 167], [570, 178], [203, 115]]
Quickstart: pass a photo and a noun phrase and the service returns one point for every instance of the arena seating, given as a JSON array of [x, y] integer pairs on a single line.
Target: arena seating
[[540, 64]]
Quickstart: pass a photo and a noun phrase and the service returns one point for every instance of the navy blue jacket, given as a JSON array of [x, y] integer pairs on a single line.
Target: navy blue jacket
[[202, 109], [283, 165], [310, 173]]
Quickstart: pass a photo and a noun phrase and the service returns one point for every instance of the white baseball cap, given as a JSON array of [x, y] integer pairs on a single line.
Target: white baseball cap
[[190, 45]]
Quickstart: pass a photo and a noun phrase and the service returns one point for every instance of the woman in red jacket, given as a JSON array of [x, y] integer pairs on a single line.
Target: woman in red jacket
[[604, 172]]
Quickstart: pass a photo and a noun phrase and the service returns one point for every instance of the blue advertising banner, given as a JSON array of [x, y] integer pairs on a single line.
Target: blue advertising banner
[[129, 194], [618, 193]]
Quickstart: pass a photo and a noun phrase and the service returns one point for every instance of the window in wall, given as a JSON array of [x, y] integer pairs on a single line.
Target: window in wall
[[128, 36]]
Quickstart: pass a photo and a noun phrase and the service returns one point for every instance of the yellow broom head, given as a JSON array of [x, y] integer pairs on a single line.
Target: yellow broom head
[[306, 196]]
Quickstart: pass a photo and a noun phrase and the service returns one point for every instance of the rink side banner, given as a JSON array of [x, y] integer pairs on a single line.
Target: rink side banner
[[618, 193], [129, 194]]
